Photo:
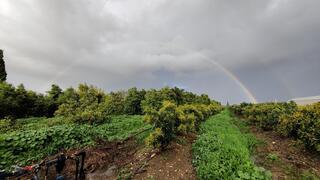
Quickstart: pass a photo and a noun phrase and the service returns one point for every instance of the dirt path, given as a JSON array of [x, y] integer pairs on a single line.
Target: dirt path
[[171, 164], [284, 157]]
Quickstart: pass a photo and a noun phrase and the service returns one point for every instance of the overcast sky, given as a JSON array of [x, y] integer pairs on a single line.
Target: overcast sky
[[233, 50]]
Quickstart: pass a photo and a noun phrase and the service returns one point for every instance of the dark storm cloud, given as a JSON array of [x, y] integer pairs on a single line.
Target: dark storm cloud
[[272, 47]]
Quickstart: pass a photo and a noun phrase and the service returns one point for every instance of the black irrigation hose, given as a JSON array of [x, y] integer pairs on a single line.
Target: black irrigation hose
[[136, 134]]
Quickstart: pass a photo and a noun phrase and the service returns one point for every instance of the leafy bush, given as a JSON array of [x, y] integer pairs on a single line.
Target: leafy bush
[[164, 122], [223, 152], [84, 105], [265, 115], [132, 103], [304, 124], [191, 115], [171, 119], [5, 125]]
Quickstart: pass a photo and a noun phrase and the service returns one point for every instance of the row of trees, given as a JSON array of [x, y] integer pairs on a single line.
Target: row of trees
[[17, 102], [88, 103], [264, 115], [287, 119]]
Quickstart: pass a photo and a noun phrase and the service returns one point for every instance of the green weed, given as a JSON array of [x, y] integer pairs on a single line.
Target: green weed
[[222, 151], [34, 141]]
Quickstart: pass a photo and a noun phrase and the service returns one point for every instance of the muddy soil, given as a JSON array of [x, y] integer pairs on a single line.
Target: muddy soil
[[285, 157], [101, 162], [174, 163]]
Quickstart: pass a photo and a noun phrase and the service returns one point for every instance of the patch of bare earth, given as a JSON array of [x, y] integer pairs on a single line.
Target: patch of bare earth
[[174, 163], [284, 157], [129, 160], [101, 162]]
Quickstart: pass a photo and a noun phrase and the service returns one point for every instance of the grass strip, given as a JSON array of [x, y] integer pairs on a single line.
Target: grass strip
[[222, 151]]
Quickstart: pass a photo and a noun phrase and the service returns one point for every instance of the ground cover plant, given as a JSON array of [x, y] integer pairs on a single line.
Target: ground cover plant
[[222, 151], [32, 142]]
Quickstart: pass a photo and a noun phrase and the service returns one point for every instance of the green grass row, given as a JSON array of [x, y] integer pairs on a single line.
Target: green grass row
[[38, 138], [222, 151]]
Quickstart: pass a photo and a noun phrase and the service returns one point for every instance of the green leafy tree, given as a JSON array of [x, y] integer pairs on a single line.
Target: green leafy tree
[[3, 73], [84, 105], [132, 104], [115, 103], [8, 100], [53, 99], [23, 101], [203, 99], [164, 122], [152, 101], [54, 92], [19, 102], [69, 94]]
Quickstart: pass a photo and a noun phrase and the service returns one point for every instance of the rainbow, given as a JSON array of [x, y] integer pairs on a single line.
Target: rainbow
[[249, 95], [204, 58]]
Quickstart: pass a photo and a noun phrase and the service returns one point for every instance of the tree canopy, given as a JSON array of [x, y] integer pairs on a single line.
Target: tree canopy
[[3, 73]]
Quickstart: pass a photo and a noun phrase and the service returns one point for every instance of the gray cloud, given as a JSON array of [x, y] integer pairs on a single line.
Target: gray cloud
[[272, 47]]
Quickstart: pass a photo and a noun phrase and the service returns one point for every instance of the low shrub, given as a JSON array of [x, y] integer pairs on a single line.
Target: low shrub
[[164, 122], [35, 141], [264, 115], [25, 146], [171, 120]]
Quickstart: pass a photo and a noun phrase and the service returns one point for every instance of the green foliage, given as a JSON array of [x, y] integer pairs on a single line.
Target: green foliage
[[273, 157], [33, 141], [88, 103], [31, 145], [154, 98], [303, 124], [132, 103], [223, 152], [152, 101], [52, 98], [264, 115], [19, 103], [5, 125], [187, 118], [172, 111], [115, 103], [121, 127], [3, 73], [84, 105], [171, 119], [164, 122]]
